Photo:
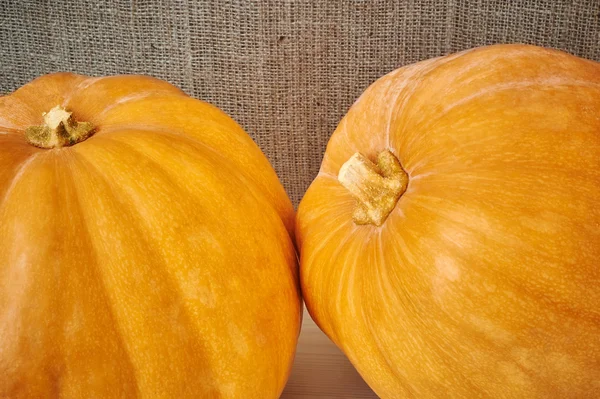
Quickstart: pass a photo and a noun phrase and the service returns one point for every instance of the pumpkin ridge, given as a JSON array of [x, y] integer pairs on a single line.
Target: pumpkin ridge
[[329, 329], [324, 243], [17, 176], [167, 278], [125, 100], [10, 130], [515, 51], [504, 86], [154, 87], [352, 270], [258, 197], [341, 130], [486, 342], [256, 192], [84, 84], [435, 344], [411, 84], [270, 186], [101, 277], [20, 274], [519, 285], [95, 269], [167, 174], [376, 344], [510, 281]]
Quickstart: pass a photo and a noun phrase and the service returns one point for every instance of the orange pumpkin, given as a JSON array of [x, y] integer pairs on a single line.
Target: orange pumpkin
[[146, 248], [450, 244]]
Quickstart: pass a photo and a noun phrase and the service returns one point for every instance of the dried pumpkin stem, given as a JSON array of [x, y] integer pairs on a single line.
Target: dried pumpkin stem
[[60, 129], [376, 187]]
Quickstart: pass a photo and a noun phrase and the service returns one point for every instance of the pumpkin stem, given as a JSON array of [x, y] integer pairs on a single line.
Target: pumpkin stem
[[59, 129], [376, 187]]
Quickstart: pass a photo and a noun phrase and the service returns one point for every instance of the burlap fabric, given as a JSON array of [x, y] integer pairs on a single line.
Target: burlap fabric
[[287, 71]]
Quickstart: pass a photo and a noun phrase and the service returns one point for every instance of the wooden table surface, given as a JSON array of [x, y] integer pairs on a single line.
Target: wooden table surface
[[321, 370]]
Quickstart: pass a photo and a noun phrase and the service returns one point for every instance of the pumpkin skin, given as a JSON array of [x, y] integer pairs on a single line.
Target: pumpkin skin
[[153, 259], [484, 280]]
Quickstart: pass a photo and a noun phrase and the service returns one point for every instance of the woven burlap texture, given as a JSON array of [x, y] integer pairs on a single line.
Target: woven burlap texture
[[287, 71]]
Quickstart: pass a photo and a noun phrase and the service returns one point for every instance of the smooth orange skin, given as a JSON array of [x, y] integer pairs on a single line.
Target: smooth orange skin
[[484, 281], [152, 260]]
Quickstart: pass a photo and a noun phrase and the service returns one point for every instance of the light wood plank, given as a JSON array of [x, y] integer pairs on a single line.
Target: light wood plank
[[321, 370]]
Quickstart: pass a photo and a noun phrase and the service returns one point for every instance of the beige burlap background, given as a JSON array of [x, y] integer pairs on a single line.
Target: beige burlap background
[[287, 71]]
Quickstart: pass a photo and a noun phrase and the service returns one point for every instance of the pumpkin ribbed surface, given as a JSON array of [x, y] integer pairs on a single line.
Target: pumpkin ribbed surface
[[483, 281], [152, 259]]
